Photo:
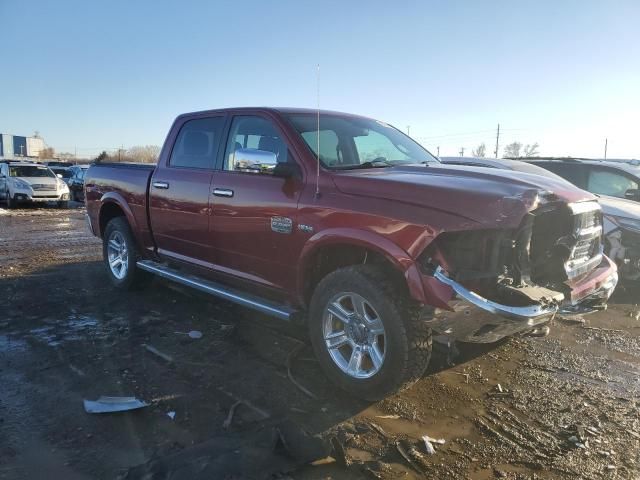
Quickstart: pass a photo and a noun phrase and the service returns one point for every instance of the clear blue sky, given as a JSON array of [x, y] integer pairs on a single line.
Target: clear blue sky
[[96, 75]]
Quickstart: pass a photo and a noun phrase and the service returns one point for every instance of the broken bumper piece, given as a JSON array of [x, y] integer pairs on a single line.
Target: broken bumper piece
[[531, 314]]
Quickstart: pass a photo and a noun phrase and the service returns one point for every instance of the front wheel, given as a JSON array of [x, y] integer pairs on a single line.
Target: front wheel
[[63, 204], [370, 338], [120, 254]]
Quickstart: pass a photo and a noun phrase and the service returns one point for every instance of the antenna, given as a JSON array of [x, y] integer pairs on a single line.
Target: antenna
[[318, 133]]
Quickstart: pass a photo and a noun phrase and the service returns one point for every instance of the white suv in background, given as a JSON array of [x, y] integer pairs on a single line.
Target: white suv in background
[[25, 182]]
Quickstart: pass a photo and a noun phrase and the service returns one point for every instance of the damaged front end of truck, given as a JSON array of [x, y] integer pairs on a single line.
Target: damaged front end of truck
[[500, 282]]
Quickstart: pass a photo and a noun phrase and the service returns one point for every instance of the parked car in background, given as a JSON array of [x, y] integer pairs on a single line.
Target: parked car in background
[[353, 228], [621, 217], [76, 182], [615, 179], [27, 182], [63, 171]]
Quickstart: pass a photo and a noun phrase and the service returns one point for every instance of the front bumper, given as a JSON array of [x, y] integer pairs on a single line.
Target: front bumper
[[486, 321], [27, 197]]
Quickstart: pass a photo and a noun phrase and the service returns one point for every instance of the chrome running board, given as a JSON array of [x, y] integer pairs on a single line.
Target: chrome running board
[[282, 312]]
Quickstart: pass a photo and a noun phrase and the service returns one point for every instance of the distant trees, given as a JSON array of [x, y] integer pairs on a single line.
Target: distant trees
[[531, 150], [480, 151], [137, 153], [145, 154], [46, 153], [513, 150], [103, 157]]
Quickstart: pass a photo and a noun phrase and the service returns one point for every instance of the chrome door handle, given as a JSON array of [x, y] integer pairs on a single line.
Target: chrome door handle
[[163, 185], [222, 192]]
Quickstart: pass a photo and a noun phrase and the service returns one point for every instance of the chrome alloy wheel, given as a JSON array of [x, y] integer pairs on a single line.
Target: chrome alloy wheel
[[118, 255], [354, 335]]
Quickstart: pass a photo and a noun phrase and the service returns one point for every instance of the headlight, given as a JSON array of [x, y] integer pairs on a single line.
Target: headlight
[[626, 223], [21, 184]]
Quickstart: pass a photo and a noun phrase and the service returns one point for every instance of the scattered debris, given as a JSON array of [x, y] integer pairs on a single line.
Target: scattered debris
[[390, 417], [410, 461], [264, 415], [113, 404], [340, 453], [599, 329], [378, 429], [290, 357], [195, 334], [171, 415], [571, 319], [428, 446], [157, 352], [227, 422]]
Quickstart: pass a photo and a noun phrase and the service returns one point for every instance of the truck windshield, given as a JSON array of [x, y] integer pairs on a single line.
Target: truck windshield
[[353, 142], [30, 171]]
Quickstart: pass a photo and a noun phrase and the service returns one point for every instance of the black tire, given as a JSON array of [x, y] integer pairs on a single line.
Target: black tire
[[72, 196], [407, 337], [133, 278], [11, 203]]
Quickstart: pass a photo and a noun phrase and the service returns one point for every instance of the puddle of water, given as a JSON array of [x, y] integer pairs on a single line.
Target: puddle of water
[[75, 328]]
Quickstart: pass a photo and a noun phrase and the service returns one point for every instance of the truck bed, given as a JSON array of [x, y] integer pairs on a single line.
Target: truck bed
[[126, 184]]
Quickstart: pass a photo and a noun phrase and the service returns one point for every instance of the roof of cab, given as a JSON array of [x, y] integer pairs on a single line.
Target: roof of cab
[[280, 110]]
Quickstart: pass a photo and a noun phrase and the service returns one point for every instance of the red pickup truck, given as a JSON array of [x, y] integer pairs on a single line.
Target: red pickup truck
[[347, 224]]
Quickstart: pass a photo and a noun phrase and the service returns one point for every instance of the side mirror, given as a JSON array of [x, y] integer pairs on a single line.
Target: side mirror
[[253, 160], [632, 194], [287, 170], [59, 175]]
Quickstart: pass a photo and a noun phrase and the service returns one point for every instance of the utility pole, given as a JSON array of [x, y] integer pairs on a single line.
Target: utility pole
[[497, 140], [438, 151], [462, 152], [408, 130], [606, 141]]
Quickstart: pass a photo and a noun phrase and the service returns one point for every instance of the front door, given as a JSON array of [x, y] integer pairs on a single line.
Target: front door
[[180, 192], [253, 225]]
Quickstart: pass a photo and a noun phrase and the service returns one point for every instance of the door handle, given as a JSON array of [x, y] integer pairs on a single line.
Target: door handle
[[163, 185], [222, 192]]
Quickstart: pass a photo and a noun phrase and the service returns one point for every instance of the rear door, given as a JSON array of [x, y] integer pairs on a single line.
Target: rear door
[[253, 225], [179, 193]]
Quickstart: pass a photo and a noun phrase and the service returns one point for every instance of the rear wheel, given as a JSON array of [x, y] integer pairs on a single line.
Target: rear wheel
[[120, 254], [11, 203], [369, 337]]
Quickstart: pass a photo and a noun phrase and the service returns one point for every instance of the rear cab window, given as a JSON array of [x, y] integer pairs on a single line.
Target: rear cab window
[[197, 143]]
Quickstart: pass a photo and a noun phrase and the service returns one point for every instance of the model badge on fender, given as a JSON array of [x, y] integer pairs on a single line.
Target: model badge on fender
[[281, 224]]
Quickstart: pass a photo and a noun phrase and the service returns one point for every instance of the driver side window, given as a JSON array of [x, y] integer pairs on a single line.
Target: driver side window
[[253, 143]]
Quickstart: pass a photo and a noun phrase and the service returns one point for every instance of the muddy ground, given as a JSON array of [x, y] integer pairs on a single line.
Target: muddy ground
[[564, 406]]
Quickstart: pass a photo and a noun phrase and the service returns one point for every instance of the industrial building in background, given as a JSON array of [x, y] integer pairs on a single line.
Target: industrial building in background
[[17, 147]]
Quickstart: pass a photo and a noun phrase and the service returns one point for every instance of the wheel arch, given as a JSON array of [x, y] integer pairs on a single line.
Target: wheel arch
[[114, 205], [336, 248]]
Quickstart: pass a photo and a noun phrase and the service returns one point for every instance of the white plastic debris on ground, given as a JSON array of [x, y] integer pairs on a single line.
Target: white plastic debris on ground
[[113, 404]]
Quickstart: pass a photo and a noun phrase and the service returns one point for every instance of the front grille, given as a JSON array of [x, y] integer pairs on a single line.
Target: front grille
[[41, 186], [566, 242], [587, 230]]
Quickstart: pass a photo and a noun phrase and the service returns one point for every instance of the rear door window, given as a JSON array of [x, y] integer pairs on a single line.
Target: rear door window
[[197, 143]]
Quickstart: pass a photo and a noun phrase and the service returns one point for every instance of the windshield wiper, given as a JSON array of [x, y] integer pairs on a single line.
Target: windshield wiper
[[371, 164]]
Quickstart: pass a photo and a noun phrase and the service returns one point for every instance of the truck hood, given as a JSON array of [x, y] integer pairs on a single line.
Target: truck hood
[[491, 197], [49, 181]]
